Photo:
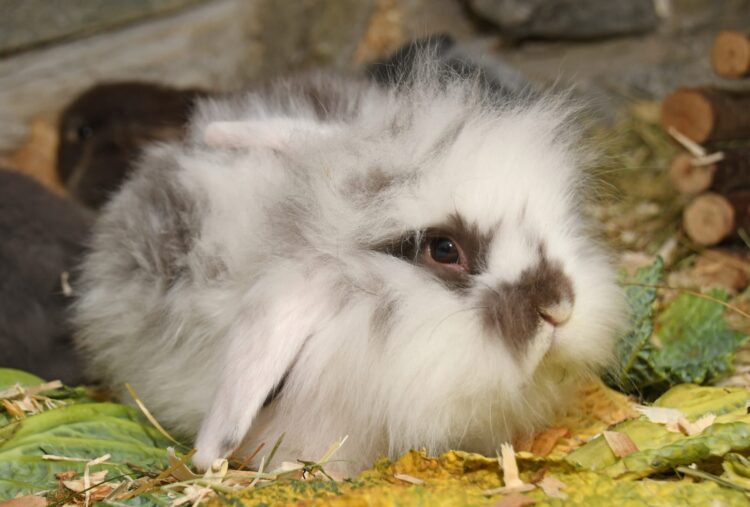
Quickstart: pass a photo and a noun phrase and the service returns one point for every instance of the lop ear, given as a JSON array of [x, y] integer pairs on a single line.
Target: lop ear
[[262, 349], [273, 133]]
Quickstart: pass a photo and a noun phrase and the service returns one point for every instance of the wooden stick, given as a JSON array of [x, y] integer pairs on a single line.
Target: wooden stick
[[728, 174], [707, 114], [730, 54], [712, 218]]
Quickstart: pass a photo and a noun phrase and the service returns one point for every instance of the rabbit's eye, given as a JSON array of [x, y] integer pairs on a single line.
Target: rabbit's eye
[[444, 255], [78, 132], [84, 132], [444, 251]]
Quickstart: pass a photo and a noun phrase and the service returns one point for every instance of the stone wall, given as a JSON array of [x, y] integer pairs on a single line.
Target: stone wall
[[51, 51]]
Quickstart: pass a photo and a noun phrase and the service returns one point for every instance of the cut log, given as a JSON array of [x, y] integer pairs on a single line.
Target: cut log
[[687, 178], [729, 174], [730, 54], [707, 114], [712, 218]]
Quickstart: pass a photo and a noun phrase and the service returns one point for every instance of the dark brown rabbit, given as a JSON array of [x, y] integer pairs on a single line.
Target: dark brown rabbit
[[104, 130], [42, 236]]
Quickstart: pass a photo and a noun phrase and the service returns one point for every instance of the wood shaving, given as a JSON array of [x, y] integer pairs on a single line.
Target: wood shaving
[[660, 415], [620, 443], [408, 478], [552, 487], [25, 501], [192, 495], [12, 409], [21, 401], [180, 470], [511, 479], [87, 477], [682, 425], [79, 485]]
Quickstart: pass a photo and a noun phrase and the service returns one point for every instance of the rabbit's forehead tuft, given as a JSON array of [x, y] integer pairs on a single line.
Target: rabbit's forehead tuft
[[494, 178]]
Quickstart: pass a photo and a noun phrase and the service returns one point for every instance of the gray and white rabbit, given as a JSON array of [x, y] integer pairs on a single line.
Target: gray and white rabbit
[[405, 265]]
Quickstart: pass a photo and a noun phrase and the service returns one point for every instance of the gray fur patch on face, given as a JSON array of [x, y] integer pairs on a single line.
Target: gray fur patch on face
[[513, 309], [374, 182], [401, 122], [447, 139], [212, 267], [473, 242], [366, 189], [384, 316]]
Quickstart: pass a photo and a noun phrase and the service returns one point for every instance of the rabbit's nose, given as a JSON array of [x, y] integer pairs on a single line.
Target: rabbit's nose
[[517, 310], [557, 314]]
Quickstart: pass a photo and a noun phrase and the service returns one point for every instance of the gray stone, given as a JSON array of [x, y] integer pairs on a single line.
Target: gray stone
[[567, 19], [210, 46], [303, 34], [29, 23], [609, 74]]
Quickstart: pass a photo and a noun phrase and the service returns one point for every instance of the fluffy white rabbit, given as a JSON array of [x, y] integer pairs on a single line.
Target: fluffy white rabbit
[[405, 265]]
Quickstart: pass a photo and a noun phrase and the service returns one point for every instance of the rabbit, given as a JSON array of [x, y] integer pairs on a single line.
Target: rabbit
[[405, 265], [42, 237], [102, 131]]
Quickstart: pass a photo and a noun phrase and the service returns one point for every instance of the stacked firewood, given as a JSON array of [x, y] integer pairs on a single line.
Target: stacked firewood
[[713, 124]]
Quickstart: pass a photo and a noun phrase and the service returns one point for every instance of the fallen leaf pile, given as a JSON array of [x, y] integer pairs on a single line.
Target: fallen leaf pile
[[686, 448]]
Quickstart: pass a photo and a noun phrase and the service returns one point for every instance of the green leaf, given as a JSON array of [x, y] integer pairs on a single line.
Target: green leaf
[[10, 377], [695, 401], [715, 441], [737, 470], [692, 344], [696, 344], [79, 431], [659, 449], [634, 370]]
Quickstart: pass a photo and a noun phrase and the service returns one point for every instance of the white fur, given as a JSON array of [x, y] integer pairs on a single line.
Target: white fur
[[279, 272]]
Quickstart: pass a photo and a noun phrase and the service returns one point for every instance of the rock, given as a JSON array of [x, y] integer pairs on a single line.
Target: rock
[[32, 23], [567, 19], [298, 35]]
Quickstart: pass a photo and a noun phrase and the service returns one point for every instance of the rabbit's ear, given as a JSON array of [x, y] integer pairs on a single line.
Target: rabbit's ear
[[262, 349], [274, 133]]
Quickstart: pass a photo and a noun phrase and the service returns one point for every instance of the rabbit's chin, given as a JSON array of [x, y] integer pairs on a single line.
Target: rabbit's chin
[[478, 425], [478, 413]]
